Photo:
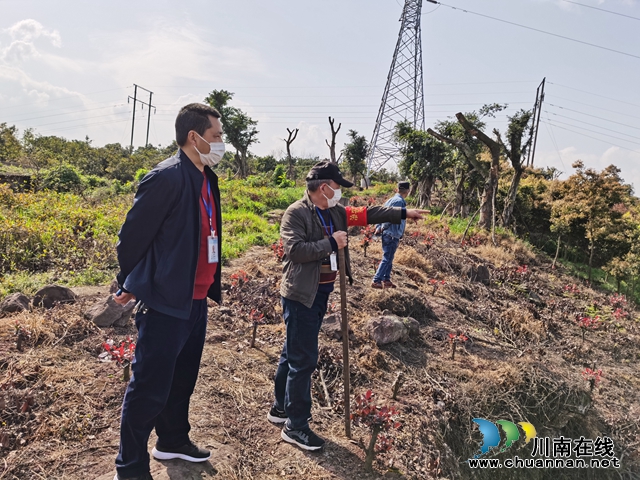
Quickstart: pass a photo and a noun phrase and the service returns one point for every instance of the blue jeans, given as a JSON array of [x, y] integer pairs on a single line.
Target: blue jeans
[[299, 358], [389, 247], [165, 370]]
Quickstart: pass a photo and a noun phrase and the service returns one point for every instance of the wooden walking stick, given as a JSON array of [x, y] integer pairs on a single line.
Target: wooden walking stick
[[345, 343]]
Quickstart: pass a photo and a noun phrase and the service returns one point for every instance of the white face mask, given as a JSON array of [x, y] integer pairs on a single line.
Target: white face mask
[[333, 201], [215, 154]]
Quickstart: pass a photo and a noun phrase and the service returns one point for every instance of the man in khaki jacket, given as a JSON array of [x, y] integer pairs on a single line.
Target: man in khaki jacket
[[313, 229]]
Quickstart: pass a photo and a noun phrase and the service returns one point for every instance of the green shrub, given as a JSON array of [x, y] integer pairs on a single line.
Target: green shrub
[[140, 173], [93, 181], [63, 179]]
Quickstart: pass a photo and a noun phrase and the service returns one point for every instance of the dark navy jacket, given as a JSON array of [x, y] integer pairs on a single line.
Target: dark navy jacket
[[160, 238]]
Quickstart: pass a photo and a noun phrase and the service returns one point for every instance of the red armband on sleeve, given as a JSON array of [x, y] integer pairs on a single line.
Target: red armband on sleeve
[[356, 216]]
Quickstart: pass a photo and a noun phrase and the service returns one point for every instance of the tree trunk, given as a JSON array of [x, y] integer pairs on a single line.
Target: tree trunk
[[424, 191], [332, 145], [459, 195], [553, 265], [486, 204], [591, 249], [510, 201], [491, 180], [371, 451]]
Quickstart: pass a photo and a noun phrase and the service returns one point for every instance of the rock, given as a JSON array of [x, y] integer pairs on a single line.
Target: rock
[[413, 326], [107, 313], [478, 273], [483, 275], [52, 295], [16, 302], [536, 299], [332, 327], [113, 288], [391, 328]]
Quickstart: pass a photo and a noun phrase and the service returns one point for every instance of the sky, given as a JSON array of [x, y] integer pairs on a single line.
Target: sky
[[68, 67]]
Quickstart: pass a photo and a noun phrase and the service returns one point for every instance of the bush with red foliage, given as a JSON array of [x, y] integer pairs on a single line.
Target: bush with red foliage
[[379, 420]]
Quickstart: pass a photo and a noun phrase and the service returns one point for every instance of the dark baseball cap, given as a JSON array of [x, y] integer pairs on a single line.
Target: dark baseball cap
[[403, 185], [328, 171]]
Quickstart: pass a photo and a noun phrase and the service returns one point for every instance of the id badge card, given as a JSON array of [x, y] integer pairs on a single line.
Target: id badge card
[[212, 249], [333, 258]]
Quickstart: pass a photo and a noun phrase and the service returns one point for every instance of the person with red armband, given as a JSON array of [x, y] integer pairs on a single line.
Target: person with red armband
[[313, 229]]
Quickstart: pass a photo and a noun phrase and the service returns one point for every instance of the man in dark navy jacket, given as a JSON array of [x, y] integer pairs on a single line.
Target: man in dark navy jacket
[[169, 255]]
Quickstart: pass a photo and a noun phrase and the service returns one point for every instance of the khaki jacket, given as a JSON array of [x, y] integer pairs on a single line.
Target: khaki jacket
[[305, 245]]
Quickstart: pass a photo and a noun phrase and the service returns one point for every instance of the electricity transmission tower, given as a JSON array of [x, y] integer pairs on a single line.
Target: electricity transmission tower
[[403, 97]]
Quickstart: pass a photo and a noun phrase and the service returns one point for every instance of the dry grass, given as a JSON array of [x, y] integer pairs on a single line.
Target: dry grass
[[525, 371]]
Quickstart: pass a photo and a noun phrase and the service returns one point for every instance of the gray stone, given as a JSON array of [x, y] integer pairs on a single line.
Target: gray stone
[[391, 328], [536, 299], [483, 275], [478, 273], [113, 288], [332, 327], [107, 313], [52, 295], [16, 302]]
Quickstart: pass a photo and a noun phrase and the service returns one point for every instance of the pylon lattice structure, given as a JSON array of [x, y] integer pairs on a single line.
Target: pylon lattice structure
[[403, 97]]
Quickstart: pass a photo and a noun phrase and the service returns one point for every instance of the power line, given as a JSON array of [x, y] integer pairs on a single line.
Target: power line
[[59, 114], [599, 133], [626, 102], [593, 138], [537, 30], [594, 106], [61, 99], [602, 10], [594, 116], [591, 124]]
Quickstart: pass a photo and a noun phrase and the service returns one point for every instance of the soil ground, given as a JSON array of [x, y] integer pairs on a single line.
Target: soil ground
[[523, 361]]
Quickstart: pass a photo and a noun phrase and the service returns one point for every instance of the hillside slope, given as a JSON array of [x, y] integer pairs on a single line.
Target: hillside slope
[[523, 361]]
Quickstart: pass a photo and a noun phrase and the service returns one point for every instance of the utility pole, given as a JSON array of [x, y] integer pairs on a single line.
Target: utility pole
[[135, 101], [537, 110]]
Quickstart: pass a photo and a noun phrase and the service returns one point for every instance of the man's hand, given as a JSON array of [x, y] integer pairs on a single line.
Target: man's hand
[[123, 298], [416, 214], [341, 239]]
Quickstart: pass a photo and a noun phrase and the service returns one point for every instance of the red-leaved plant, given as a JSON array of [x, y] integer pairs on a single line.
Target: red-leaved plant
[[239, 278], [367, 238], [455, 339], [22, 334], [379, 420], [278, 250], [588, 323], [618, 301], [257, 318], [592, 376], [572, 289], [122, 355], [436, 284]]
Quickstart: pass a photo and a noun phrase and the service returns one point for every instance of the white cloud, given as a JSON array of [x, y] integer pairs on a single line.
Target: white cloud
[[29, 30], [18, 51], [627, 161], [165, 53]]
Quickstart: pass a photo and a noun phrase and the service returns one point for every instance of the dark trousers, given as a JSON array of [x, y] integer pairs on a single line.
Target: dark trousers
[[389, 247], [165, 371], [299, 358]]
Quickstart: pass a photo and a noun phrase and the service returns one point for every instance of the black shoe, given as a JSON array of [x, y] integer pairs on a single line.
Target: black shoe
[[146, 476], [277, 416], [188, 452], [303, 438]]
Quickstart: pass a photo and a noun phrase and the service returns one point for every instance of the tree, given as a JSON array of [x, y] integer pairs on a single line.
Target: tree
[[421, 158], [332, 146], [239, 129], [290, 160], [355, 154], [515, 152], [10, 148], [594, 201]]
